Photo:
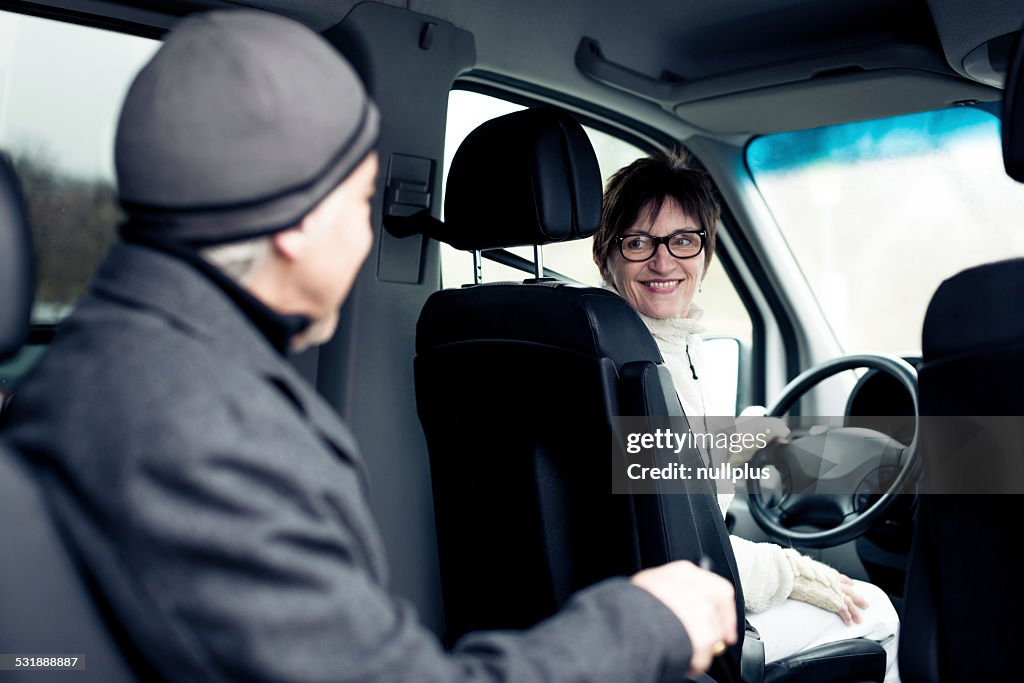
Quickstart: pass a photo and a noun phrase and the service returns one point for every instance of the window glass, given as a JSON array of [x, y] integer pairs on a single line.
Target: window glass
[[61, 88], [878, 213], [466, 111], [725, 314]]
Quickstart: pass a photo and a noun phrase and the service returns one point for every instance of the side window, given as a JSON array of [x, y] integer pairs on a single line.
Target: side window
[[729, 328], [61, 88]]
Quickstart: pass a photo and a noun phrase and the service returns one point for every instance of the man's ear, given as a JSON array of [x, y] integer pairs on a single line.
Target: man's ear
[[290, 244]]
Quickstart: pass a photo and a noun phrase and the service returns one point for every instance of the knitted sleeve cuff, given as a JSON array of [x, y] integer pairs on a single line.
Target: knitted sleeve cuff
[[815, 583]]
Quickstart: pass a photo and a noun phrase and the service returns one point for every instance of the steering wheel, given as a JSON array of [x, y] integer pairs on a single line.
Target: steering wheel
[[800, 465]]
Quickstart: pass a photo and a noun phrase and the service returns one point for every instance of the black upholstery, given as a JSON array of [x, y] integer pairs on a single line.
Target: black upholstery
[[517, 386], [582, 320], [963, 598], [522, 471], [533, 181], [46, 606], [541, 497], [962, 604], [846, 660], [17, 275], [973, 312]]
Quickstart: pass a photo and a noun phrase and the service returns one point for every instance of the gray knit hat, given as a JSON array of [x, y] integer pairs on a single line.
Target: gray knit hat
[[239, 125]]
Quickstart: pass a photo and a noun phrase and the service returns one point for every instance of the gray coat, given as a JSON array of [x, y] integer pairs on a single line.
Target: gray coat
[[220, 507]]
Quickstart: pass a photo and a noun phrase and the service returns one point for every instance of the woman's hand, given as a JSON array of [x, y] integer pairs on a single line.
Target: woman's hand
[[822, 586], [854, 603]]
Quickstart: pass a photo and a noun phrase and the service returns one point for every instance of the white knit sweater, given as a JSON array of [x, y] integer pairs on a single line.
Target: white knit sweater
[[767, 572]]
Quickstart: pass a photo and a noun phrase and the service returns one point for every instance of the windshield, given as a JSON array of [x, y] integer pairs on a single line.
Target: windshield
[[879, 213]]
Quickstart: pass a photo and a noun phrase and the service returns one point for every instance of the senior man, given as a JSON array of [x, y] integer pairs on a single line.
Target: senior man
[[217, 501]]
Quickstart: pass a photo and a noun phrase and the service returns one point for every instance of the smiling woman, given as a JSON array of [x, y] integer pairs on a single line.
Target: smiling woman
[[650, 203], [659, 282], [791, 599]]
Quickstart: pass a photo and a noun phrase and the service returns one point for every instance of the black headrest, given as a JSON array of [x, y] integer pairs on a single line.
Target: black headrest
[[1013, 114], [975, 310], [526, 178], [17, 272]]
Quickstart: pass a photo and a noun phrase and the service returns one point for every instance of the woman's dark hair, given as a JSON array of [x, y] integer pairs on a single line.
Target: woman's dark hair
[[638, 191]]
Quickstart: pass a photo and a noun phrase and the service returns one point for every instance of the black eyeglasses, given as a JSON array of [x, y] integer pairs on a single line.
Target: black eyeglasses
[[681, 244]]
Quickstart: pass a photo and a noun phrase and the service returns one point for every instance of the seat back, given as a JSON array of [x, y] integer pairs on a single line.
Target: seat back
[[973, 365], [518, 419], [17, 265], [517, 385], [963, 600], [46, 606]]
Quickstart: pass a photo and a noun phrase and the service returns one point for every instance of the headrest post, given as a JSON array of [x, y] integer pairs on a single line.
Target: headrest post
[[478, 267], [538, 261]]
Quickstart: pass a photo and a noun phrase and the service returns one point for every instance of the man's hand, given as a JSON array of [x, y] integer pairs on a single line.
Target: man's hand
[[705, 603]]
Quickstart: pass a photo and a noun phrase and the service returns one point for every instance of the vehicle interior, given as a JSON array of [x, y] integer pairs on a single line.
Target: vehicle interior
[[857, 148]]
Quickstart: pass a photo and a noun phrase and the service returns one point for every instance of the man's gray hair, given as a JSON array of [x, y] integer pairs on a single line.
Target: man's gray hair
[[239, 260]]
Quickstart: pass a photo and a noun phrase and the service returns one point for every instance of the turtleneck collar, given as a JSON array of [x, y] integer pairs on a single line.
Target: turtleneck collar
[[675, 331], [278, 329], [672, 331]]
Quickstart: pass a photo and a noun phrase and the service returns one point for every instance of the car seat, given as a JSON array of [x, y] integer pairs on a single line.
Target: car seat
[[963, 597], [518, 386], [46, 606]]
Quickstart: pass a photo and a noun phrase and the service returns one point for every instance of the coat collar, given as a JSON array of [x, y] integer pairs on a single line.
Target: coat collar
[[142, 277], [279, 329], [146, 278]]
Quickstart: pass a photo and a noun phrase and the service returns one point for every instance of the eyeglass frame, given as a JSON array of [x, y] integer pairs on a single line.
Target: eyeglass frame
[[658, 241]]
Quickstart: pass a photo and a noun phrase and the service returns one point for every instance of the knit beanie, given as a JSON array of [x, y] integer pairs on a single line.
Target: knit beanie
[[240, 124]]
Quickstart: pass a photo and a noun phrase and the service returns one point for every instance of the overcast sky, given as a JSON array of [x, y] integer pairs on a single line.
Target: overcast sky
[[61, 88]]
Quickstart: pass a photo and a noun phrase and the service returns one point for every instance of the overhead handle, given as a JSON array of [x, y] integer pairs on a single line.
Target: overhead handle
[[590, 60]]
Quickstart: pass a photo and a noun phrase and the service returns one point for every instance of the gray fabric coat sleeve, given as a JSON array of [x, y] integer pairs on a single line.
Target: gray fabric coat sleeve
[[257, 568]]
